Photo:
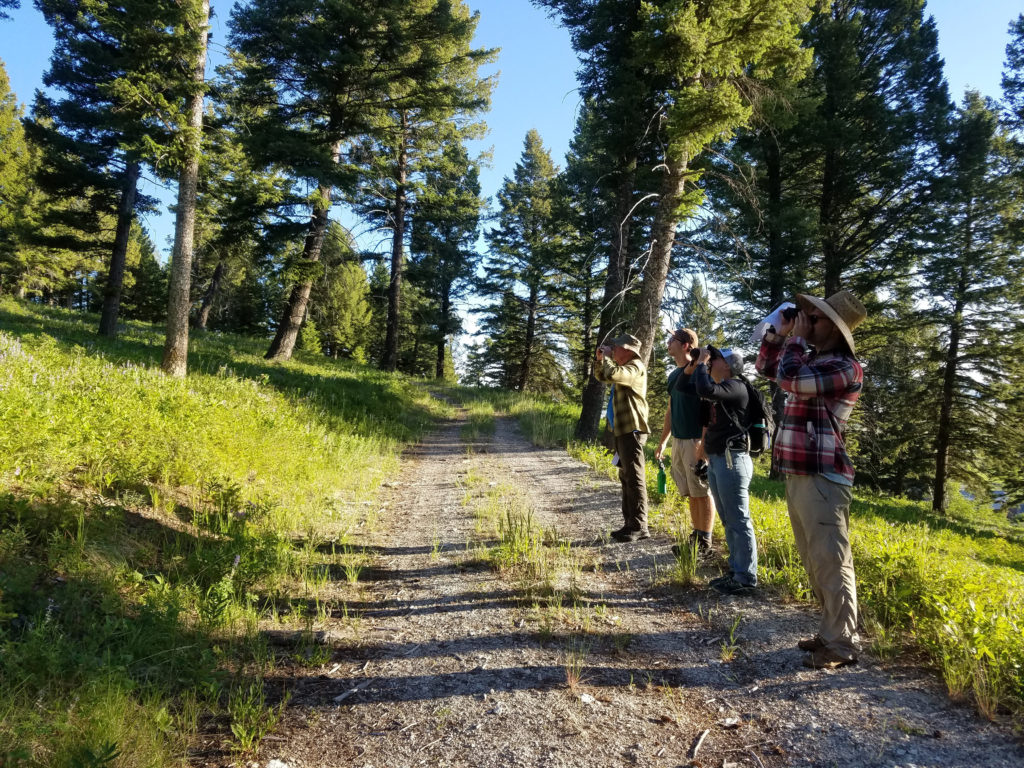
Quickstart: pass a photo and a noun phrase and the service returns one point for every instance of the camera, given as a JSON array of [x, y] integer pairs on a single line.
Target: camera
[[694, 354], [790, 313], [700, 469]]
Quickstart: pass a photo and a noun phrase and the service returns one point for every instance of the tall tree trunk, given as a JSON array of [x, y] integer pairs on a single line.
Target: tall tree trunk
[[526, 368], [614, 282], [776, 268], [283, 345], [944, 433], [118, 258], [397, 258], [446, 306], [204, 310], [175, 362], [647, 321], [831, 257]]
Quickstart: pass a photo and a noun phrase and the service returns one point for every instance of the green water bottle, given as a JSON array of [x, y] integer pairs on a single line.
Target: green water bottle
[[661, 476]]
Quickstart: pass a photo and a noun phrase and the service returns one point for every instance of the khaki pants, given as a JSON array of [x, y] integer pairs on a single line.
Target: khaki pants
[[819, 511]]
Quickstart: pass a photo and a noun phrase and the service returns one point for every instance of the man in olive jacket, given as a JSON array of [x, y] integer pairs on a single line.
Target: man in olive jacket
[[620, 366]]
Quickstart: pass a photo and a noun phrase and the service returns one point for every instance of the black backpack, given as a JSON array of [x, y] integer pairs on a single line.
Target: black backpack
[[757, 425]]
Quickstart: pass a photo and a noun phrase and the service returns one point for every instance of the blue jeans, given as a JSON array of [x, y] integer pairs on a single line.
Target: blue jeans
[[729, 489]]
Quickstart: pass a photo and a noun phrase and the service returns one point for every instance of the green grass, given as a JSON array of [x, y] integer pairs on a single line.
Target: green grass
[[148, 528]]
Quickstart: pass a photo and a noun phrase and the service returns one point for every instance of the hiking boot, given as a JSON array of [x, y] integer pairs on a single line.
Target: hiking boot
[[625, 535], [720, 580], [732, 587], [812, 644], [823, 658]]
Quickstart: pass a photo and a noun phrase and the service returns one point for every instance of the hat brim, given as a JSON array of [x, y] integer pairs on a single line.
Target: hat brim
[[630, 347], [806, 302]]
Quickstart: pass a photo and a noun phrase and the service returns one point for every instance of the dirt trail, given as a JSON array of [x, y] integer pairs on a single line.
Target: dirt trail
[[443, 661]]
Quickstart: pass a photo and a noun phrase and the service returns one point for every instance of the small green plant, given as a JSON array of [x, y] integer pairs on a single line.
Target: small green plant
[[251, 718], [575, 659], [730, 646]]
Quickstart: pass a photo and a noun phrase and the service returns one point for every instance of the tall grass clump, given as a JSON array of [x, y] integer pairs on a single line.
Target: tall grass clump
[[148, 524]]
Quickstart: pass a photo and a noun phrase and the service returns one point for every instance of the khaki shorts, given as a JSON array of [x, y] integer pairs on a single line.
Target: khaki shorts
[[684, 456]]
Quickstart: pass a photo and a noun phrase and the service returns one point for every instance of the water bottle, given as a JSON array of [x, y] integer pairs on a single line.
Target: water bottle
[[661, 476]]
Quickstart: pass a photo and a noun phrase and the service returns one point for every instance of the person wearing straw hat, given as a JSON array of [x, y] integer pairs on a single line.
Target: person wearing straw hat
[[811, 358], [620, 365]]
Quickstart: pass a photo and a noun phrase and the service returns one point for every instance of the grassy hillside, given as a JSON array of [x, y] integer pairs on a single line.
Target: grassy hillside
[[147, 523]]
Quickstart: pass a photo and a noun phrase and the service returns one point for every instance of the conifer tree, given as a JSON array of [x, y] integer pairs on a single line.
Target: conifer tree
[[12, 4], [196, 18], [973, 281], [609, 164], [446, 225], [14, 180], [339, 302], [115, 70], [409, 140], [325, 73], [522, 266]]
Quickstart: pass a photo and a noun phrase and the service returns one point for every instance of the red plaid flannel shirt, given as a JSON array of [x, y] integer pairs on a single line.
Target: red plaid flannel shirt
[[821, 392]]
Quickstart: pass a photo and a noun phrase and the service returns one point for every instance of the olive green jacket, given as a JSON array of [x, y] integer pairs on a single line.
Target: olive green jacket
[[629, 401]]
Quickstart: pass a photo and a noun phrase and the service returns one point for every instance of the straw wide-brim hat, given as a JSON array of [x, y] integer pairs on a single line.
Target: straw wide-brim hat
[[627, 341], [842, 308]]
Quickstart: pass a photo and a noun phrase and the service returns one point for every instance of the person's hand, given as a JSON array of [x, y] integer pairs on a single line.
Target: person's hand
[[699, 452], [705, 355], [658, 452], [786, 325], [802, 326], [599, 353]]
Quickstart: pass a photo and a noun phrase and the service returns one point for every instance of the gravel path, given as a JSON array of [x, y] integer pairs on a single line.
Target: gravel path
[[442, 660]]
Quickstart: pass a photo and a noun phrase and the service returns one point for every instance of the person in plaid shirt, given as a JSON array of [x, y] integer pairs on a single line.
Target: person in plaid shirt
[[620, 365], [811, 357]]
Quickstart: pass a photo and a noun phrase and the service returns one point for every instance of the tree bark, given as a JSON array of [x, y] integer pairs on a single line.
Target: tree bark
[[118, 258], [776, 273], [204, 310], [446, 306], [175, 362], [647, 321], [283, 345], [397, 257], [945, 426], [593, 399], [526, 368]]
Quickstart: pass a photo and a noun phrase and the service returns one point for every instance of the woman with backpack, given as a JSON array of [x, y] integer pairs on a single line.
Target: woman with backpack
[[718, 378]]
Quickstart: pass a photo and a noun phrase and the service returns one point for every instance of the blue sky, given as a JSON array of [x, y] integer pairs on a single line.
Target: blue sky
[[536, 86]]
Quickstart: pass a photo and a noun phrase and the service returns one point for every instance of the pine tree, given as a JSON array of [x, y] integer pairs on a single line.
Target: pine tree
[[973, 287], [326, 73], [522, 265], [14, 181], [339, 302], [883, 105], [608, 166], [446, 225], [12, 4], [410, 139], [196, 25]]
